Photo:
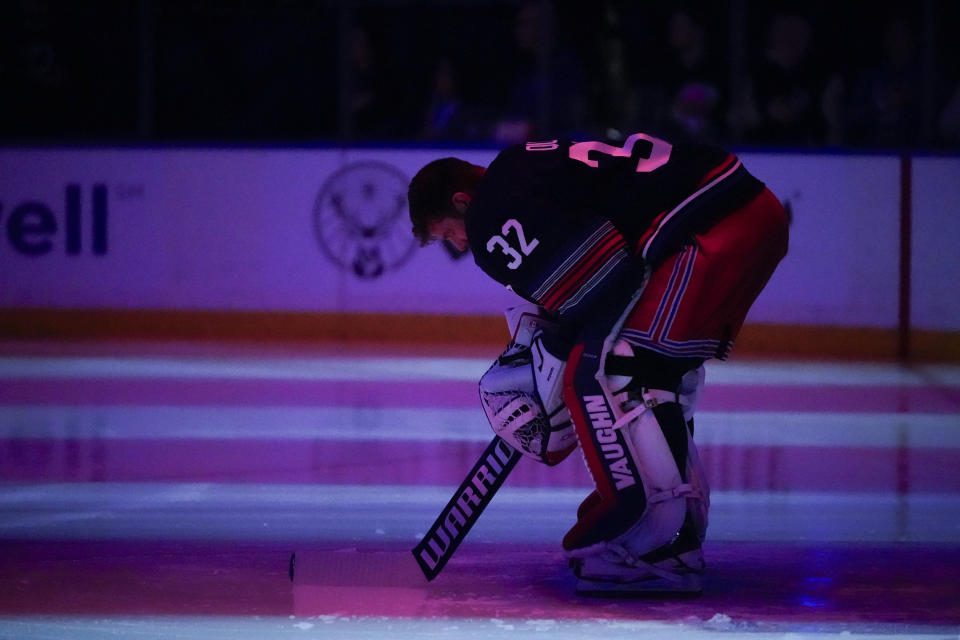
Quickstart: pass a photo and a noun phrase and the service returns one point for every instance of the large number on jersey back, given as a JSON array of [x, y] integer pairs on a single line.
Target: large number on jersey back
[[659, 152], [500, 242]]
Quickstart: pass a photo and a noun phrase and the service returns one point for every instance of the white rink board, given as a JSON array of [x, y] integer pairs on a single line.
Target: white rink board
[[842, 266], [236, 229], [935, 274], [224, 229]]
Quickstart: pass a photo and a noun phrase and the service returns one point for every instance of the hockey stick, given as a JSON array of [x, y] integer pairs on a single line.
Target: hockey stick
[[464, 508]]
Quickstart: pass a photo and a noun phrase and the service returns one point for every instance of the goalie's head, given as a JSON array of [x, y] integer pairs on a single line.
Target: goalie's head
[[439, 196]]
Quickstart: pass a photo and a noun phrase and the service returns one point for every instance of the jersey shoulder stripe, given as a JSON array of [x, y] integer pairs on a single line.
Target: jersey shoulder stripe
[[585, 262], [584, 270], [574, 256], [712, 181], [594, 281], [728, 162]]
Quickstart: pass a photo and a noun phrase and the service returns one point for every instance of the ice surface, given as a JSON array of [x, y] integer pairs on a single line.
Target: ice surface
[[161, 497], [720, 626], [204, 511]]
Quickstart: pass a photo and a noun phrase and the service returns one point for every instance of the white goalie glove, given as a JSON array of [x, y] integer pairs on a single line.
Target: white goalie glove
[[521, 393]]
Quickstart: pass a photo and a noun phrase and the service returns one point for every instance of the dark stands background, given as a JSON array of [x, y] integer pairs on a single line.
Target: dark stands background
[[855, 74]]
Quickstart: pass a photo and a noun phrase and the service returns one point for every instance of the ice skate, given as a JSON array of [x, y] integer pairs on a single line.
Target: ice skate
[[675, 568]]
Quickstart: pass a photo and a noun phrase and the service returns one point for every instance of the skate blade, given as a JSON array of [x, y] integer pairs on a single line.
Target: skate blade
[[689, 585]]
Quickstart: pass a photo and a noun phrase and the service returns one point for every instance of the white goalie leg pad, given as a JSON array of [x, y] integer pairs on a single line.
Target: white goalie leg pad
[[665, 490], [652, 555], [668, 497]]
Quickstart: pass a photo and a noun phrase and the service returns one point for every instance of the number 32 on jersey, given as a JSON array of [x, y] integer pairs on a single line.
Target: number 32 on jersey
[[659, 155], [506, 248]]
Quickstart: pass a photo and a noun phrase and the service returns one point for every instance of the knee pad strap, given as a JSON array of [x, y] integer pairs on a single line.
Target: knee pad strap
[[650, 398]]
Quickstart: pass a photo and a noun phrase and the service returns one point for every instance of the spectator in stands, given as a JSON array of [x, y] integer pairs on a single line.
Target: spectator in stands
[[37, 94], [547, 87], [782, 101], [444, 116], [950, 119], [885, 101], [692, 79], [368, 106]]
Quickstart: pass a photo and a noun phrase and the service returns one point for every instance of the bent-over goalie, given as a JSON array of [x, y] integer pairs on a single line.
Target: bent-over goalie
[[640, 262]]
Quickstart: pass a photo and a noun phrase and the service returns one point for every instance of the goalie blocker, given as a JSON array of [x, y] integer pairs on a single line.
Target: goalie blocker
[[521, 392]]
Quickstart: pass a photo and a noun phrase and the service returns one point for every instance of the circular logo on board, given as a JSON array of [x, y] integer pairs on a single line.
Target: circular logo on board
[[360, 218]]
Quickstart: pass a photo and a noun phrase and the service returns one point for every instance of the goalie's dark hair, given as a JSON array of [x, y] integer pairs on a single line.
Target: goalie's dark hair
[[431, 192]]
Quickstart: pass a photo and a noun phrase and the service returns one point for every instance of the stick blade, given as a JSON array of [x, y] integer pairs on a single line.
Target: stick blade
[[463, 510]]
